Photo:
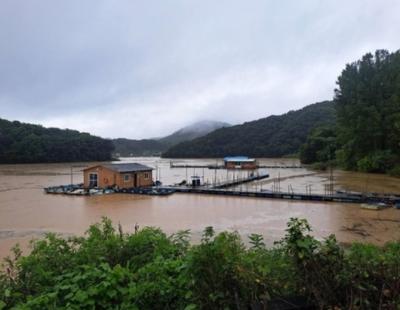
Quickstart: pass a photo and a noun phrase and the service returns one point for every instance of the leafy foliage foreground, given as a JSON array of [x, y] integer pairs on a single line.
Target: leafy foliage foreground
[[110, 269]]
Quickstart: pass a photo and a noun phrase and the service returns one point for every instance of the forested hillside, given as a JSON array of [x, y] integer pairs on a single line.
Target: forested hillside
[[27, 143], [367, 102], [192, 131], [273, 136], [146, 147]]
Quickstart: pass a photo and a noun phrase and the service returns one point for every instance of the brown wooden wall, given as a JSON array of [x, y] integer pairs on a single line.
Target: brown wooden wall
[[107, 177]]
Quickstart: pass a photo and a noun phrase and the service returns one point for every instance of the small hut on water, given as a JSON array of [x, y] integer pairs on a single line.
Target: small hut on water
[[123, 175], [240, 162]]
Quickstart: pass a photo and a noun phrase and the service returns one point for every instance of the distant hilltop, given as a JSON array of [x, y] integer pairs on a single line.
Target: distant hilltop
[[156, 146], [193, 131], [272, 136]]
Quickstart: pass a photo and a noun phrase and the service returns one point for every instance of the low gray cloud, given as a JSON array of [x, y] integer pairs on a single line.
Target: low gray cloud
[[145, 68]]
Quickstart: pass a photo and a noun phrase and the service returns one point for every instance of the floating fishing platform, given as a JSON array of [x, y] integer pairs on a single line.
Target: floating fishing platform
[[222, 188], [79, 190]]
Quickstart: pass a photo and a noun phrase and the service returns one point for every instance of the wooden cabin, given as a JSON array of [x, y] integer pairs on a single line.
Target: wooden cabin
[[124, 175], [240, 162]]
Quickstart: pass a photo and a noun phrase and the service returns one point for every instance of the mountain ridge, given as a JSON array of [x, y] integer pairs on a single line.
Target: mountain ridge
[[272, 136], [155, 146]]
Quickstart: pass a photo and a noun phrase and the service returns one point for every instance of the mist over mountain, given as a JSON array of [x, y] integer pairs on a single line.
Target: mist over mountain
[[193, 131], [148, 147], [272, 136]]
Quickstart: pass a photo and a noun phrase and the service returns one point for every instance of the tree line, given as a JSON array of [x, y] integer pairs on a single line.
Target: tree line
[[27, 143], [366, 136], [145, 147]]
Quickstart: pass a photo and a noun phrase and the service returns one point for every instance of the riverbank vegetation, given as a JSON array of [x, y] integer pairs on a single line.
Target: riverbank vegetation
[[27, 143], [110, 269], [367, 104]]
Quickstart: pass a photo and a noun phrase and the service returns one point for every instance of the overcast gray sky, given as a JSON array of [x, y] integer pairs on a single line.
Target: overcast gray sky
[[141, 69]]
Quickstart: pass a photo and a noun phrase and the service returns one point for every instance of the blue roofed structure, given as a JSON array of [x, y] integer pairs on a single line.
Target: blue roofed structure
[[240, 162], [238, 159]]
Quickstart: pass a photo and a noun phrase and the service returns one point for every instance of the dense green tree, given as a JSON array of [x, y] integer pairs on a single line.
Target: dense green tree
[[27, 143], [320, 146], [368, 112]]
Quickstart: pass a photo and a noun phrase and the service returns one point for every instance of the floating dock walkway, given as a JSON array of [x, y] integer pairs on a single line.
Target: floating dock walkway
[[344, 198], [222, 189], [168, 190], [236, 182], [183, 166], [281, 166]]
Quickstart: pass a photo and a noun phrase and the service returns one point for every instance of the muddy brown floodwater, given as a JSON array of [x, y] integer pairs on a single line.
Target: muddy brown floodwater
[[26, 212]]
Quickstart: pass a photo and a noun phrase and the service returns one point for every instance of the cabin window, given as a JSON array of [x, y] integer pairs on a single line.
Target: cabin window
[[93, 180], [146, 175], [126, 177]]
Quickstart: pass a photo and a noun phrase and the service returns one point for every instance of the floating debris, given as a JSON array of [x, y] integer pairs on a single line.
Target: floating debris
[[375, 206]]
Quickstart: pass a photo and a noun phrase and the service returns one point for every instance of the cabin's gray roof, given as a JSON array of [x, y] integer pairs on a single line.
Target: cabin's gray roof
[[131, 167]]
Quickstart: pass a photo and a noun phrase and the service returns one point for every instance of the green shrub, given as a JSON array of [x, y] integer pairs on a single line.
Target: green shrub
[[108, 269], [218, 273], [320, 166], [395, 171], [380, 161]]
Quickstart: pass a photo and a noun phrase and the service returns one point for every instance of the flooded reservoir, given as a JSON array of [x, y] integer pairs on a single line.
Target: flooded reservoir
[[26, 212]]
